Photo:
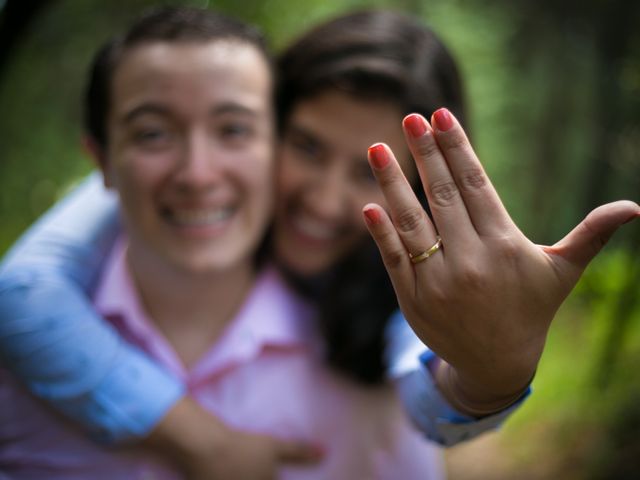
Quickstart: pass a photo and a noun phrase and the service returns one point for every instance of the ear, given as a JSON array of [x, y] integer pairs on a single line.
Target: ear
[[99, 156]]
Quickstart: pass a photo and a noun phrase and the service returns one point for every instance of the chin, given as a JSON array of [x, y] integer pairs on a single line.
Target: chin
[[207, 264], [300, 266]]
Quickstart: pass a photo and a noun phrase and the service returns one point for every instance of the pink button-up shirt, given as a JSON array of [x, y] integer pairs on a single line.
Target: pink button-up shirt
[[263, 375]]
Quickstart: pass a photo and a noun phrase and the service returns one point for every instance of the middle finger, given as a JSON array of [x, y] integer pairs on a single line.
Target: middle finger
[[447, 206]]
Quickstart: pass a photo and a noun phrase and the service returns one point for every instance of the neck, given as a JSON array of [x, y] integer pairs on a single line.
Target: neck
[[190, 309]]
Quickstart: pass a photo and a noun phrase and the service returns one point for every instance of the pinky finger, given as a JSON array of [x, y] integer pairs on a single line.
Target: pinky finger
[[394, 254]]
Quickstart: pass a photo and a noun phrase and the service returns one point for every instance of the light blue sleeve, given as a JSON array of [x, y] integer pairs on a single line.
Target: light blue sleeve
[[407, 359], [53, 340]]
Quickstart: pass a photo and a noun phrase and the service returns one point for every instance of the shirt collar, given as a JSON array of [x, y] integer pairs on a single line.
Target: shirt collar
[[272, 316]]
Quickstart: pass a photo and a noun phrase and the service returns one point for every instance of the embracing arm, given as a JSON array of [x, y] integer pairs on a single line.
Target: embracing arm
[[484, 300], [53, 340]]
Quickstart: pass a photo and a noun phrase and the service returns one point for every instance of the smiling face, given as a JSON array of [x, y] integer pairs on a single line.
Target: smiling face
[[324, 178], [190, 152]]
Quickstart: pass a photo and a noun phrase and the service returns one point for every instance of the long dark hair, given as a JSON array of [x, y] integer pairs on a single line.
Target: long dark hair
[[377, 55]]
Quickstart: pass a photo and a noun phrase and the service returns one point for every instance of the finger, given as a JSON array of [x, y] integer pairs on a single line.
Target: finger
[[485, 208], [394, 254], [298, 452], [407, 214], [448, 210], [588, 238]]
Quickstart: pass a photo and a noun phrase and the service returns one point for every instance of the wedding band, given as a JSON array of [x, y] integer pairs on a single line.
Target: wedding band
[[421, 257]]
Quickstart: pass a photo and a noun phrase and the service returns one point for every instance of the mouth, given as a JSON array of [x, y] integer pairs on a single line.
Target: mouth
[[312, 230], [199, 220]]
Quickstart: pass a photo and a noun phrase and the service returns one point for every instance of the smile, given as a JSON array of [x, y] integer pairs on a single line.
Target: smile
[[198, 217], [314, 229]]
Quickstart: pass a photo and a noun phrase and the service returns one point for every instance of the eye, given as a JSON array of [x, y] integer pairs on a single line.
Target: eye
[[306, 149], [236, 131], [152, 137]]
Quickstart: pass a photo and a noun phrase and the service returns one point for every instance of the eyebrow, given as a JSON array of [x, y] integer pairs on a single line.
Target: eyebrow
[[157, 109], [305, 134], [232, 107], [144, 109], [302, 131]]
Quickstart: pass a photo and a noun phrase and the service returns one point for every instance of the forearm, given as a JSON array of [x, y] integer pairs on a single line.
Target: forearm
[[67, 355], [187, 434], [436, 417], [430, 406], [53, 340], [72, 239], [474, 398]]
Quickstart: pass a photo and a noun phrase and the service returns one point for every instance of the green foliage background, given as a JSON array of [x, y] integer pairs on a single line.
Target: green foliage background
[[554, 91]]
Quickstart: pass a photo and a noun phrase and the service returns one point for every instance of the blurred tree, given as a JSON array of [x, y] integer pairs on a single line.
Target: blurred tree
[[15, 16], [621, 317], [580, 60]]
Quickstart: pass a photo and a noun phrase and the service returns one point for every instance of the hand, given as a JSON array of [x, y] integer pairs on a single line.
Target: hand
[[246, 456], [204, 448], [485, 300]]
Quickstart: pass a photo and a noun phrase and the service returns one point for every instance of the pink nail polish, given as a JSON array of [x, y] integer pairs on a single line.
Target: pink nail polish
[[372, 216], [443, 119], [378, 155], [415, 125]]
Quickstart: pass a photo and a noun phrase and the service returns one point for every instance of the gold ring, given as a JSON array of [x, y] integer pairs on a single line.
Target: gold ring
[[421, 257]]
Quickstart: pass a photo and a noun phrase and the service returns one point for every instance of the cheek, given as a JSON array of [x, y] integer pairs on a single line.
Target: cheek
[[256, 179], [255, 163], [139, 176], [370, 194], [358, 199], [362, 198], [290, 179]]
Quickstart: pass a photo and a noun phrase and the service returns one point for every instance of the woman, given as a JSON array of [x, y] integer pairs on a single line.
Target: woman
[[393, 67]]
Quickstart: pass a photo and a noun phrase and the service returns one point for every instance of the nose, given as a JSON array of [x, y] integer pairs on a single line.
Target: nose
[[200, 164], [329, 198]]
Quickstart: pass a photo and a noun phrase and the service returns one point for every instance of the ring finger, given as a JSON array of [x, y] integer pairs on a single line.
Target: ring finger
[[407, 214]]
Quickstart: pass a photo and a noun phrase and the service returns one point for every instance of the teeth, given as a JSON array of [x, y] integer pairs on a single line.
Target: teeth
[[196, 218], [313, 228]]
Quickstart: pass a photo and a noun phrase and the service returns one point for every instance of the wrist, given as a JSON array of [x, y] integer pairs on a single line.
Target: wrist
[[187, 434], [475, 398]]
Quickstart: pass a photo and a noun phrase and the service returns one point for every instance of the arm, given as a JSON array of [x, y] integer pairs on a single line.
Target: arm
[[484, 301], [53, 340], [62, 350], [194, 440], [413, 368]]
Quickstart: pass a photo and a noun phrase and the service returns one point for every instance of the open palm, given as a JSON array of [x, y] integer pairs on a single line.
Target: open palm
[[484, 301]]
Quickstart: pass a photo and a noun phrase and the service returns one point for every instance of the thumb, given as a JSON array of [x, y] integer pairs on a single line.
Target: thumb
[[298, 452], [589, 236]]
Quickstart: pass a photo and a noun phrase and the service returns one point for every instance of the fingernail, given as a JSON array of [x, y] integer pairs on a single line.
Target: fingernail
[[378, 156], [443, 119], [415, 125], [371, 215]]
